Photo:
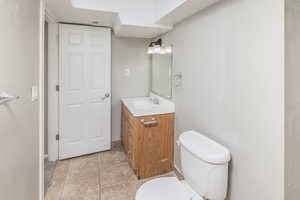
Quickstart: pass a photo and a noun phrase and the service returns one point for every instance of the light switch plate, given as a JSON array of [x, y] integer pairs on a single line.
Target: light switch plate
[[34, 93], [126, 72]]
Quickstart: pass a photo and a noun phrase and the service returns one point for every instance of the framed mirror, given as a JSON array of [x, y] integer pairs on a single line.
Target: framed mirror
[[161, 72]]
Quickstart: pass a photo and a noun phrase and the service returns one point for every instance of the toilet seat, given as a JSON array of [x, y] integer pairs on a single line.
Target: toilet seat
[[165, 189]]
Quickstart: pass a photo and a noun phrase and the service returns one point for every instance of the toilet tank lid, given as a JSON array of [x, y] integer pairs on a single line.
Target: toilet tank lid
[[204, 148]]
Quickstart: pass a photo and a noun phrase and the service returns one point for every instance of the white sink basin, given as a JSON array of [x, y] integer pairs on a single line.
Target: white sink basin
[[143, 106]]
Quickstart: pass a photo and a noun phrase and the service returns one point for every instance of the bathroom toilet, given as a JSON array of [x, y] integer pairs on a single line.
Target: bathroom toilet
[[205, 169]]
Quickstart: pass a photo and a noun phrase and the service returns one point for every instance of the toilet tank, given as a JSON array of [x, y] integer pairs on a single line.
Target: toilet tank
[[204, 165]]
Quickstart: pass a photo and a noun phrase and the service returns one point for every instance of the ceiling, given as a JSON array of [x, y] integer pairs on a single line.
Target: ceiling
[[63, 11], [128, 18]]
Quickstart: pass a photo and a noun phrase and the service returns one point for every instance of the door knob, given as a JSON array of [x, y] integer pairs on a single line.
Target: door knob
[[107, 95]]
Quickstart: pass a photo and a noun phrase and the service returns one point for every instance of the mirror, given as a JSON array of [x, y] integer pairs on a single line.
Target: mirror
[[161, 81]]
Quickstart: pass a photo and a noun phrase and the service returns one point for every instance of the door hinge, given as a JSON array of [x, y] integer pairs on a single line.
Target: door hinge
[[57, 88], [57, 137]]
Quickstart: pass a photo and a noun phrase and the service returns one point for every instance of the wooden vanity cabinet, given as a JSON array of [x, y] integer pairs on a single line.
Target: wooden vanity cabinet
[[148, 142]]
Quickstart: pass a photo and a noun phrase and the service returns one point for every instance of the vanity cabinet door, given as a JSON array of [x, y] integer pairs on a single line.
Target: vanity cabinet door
[[148, 142], [124, 135], [128, 136], [130, 144], [156, 145]]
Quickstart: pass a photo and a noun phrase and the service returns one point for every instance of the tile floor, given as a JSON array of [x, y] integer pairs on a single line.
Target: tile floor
[[49, 170], [105, 176]]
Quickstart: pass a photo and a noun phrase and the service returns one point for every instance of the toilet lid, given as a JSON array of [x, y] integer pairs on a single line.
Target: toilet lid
[[165, 189]]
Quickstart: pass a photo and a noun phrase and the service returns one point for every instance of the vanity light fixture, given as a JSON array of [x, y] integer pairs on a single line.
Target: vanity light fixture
[[166, 50], [157, 48], [150, 50], [156, 43], [163, 51]]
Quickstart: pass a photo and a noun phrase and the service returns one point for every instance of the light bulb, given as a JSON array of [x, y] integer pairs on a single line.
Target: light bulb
[[168, 49], [163, 50], [156, 49], [150, 50]]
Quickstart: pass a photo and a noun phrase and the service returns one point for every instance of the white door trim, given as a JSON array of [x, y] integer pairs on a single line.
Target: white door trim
[[41, 100], [53, 98], [50, 18]]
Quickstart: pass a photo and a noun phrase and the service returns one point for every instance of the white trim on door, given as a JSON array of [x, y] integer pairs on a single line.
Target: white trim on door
[[50, 18], [53, 98], [41, 99]]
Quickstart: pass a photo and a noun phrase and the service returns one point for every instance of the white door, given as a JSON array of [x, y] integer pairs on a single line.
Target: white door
[[85, 86]]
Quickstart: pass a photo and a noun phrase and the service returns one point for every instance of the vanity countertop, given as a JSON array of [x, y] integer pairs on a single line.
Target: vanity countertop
[[143, 106]]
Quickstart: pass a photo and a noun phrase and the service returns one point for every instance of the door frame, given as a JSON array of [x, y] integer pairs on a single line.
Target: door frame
[[41, 102], [53, 80], [53, 66], [61, 28], [53, 95], [44, 15]]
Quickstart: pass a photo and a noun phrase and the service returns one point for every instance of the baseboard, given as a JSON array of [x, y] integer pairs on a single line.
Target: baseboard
[[178, 172], [116, 139], [177, 169]]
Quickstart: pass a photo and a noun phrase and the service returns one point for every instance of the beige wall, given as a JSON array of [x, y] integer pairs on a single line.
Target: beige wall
[[128, 53], [231, 57], [19, 37], [292, 103]]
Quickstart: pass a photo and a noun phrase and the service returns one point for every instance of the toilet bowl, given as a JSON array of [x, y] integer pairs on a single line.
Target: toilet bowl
[[205, 169], [166, 189]]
